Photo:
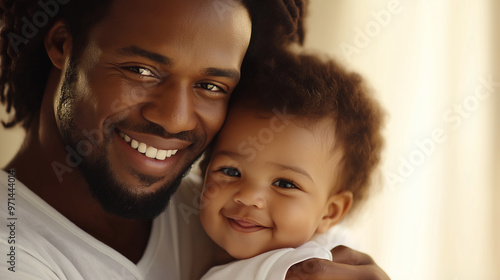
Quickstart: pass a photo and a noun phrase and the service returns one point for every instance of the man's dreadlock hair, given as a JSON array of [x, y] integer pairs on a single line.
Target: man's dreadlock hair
[[25, 65]]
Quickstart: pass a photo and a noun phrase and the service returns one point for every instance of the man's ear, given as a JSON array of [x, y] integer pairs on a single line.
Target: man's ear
[[335, 209], [58, 44]]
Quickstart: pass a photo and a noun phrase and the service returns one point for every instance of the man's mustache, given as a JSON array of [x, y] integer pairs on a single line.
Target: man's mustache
[[156, 129]]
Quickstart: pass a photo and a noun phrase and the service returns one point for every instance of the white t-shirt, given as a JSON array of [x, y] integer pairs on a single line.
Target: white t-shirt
[[49, 246], [273, 265]]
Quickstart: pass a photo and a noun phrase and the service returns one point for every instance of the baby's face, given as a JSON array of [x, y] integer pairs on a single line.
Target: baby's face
[[268, 183]]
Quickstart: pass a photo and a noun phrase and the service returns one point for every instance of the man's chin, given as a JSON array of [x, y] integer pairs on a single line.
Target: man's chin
[[146, 198], [121, 201]]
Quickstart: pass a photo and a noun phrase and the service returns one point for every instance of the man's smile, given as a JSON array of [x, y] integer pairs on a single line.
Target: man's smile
[[149, 151], [149, 154]]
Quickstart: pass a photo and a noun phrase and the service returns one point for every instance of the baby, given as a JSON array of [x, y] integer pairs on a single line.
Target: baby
[[296, 153]]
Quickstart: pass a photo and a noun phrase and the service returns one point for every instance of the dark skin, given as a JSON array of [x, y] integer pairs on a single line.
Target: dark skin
[[177, 101], [177, 96], [115, 231]]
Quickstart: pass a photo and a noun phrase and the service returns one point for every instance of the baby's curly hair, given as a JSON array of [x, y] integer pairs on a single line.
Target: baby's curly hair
[[310, 89], [25, 65]]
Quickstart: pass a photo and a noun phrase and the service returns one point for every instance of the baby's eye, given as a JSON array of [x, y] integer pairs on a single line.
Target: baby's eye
[[285, 184], [230, 171]]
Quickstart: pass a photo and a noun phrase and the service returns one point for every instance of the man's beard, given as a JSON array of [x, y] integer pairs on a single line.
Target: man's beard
[[116, 197]]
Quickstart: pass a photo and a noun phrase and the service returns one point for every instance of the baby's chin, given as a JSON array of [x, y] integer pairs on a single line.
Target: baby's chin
[[246, 253], [241, 255]]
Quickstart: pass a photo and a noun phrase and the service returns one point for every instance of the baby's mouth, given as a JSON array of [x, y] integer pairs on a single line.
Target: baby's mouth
[[244, 225]]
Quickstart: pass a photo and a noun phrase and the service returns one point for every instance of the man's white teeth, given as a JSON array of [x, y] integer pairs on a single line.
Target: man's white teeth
[[161, 154], [142, 148], [134, 144], [149, 151]]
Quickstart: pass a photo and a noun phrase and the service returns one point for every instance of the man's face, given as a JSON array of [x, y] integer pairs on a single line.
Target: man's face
[[151, 90]]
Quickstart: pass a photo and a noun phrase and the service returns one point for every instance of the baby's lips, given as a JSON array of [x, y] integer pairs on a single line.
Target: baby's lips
[[245, 222]]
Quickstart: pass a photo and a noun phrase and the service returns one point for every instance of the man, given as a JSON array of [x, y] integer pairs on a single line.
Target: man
[[134, 93]]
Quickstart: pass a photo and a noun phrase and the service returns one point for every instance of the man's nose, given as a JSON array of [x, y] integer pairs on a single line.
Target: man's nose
[[173, 108]]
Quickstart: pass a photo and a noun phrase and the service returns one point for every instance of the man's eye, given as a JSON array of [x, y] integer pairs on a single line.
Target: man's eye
[[142, 71], [230, 171], [210, 87], [285, 184]]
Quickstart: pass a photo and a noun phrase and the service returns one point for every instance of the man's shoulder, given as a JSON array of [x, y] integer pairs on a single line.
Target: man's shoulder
[[19, 205], [49, 244]]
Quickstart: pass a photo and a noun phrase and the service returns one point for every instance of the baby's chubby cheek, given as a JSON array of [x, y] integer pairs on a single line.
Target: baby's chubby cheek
[[212, 189], [209, 192]]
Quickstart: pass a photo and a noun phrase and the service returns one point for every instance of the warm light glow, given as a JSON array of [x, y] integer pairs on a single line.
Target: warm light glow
[[432, 65]]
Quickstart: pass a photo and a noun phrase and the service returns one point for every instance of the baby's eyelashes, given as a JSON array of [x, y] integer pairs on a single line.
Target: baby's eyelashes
[[285, 184], [230, 171]]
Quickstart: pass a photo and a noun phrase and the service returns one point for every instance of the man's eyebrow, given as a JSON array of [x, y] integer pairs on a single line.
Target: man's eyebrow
[[134, 50], [218, 72], [295, 169]]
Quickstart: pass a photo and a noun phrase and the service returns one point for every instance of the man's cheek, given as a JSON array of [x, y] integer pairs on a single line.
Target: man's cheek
[[214, 118]]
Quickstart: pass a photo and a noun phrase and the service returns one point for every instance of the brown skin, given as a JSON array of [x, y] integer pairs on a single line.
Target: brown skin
[[279, 197], [179, 97]]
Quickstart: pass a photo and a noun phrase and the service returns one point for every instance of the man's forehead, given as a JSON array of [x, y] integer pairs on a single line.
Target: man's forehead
[[192, 27], [171, 10], [175, 21]]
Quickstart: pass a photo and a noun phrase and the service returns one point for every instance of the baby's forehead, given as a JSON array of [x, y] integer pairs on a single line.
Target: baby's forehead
[[317, 124], [262, 127]]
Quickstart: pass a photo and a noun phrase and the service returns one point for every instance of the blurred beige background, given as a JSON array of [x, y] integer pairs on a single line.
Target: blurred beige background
[[434, 65]]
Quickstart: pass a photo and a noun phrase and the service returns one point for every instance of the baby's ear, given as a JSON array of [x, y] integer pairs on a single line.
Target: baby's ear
[[335, 209]]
